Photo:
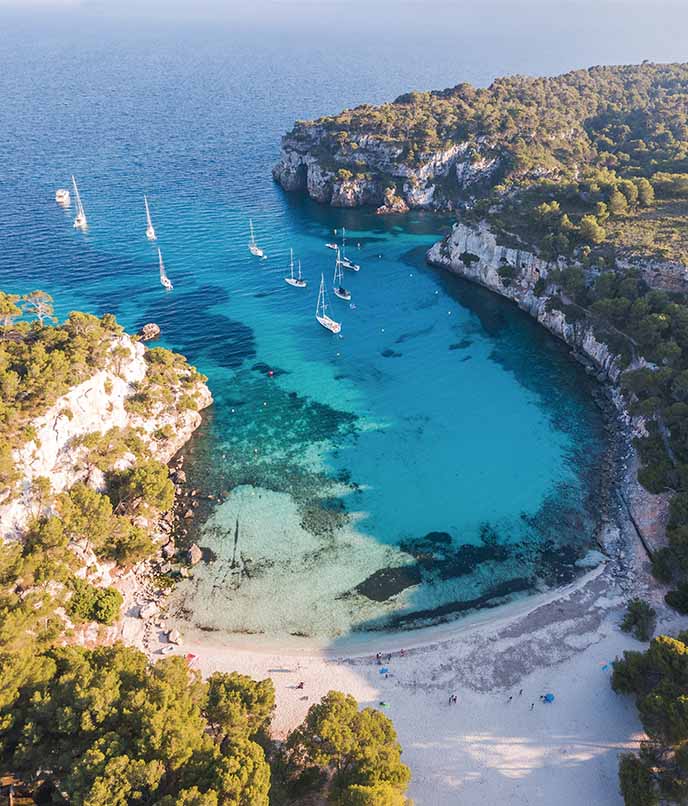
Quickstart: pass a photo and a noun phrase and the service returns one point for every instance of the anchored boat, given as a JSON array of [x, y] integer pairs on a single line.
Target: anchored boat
[[80, 220], [164, 279], [337, 287], [297, 282], [321, 310], [62, 197], [150, 231], [346, 263], [253, 247]]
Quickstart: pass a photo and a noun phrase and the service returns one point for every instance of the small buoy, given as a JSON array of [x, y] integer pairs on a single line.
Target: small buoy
[[264, 403], [270, 373]]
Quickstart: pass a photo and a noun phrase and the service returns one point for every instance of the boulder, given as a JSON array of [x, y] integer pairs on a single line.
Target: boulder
[[591, 560], [149, 331], [149, 610], [174, 637], [194, 554], [169, 550], [180, 476]]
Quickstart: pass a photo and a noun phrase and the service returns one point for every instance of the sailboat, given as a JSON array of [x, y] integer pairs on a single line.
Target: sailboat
[[321, 310], [337, 287], [253, 247], [80, 220], [298, 282], [164, 279], [150, 231], [62, 197], [348, 264], [334, 244]]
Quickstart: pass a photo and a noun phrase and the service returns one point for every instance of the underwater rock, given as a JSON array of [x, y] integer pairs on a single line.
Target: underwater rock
[[388, 582], [461, 345], [388, 353]]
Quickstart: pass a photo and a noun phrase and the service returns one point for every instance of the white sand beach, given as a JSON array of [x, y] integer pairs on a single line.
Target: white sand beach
[[487, 748]]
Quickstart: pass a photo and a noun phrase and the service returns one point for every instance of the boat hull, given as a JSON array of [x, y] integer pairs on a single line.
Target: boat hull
[[351, 266], [150, 234], [329, 324], [256, 251], [342, 293], [294, 282]]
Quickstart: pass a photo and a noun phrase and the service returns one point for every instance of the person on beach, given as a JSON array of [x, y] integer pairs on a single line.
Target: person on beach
[[532, 705], [510, 699], [300, 685]]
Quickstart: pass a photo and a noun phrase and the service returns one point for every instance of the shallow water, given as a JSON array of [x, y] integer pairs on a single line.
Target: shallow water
[[442, 454]]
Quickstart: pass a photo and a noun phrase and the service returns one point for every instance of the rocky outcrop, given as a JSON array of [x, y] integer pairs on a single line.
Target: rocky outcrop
[[519, 275], [368, 170], [96, 405]]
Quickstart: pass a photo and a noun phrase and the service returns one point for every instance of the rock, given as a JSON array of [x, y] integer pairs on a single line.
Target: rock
[[149, 331], [169, 550], [174, 637], [591, 560], [188, 514], [393, 204], [184, 572], [180, 476], [149, 610], [194, 554], [165, 568]]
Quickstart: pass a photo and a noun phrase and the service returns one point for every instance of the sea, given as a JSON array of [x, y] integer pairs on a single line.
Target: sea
[[442, 454]]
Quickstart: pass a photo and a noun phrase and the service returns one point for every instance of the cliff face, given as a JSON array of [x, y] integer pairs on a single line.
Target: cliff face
[[96, 405], [432, 180], [473, 253]]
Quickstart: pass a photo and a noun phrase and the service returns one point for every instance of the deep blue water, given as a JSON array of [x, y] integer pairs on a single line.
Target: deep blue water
[[444, 451]]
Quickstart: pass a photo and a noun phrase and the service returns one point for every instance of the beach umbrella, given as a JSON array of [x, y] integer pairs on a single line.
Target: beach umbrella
[[549, 697], [383, 670]]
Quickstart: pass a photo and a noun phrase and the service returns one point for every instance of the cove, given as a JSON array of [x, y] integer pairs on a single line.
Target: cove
[[443, 455]]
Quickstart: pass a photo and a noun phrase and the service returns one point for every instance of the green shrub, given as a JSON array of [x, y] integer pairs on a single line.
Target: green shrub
[[640, 619], [89, 603]]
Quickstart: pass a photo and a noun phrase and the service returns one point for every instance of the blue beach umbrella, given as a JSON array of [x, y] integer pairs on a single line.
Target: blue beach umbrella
[[549, 697]]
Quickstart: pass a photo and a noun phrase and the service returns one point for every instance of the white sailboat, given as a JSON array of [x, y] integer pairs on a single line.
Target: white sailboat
[[253, 247], [62, 197], [334, 244], [297, 282], [164, 279], [80, 220], [337, 287], [348, 264], [321, 310], [150, 231]]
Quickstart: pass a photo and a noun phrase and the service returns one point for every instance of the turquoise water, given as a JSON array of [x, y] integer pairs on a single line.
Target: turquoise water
[[442, 454]]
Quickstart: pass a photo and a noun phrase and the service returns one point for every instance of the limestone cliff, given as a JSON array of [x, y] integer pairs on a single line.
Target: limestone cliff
[[473, 253], [97, 405], [432, 180]]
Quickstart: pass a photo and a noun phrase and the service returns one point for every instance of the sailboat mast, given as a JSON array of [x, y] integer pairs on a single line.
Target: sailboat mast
[[148, 218], [253, 237], [299, 268], [291, 262], [79, 205]]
